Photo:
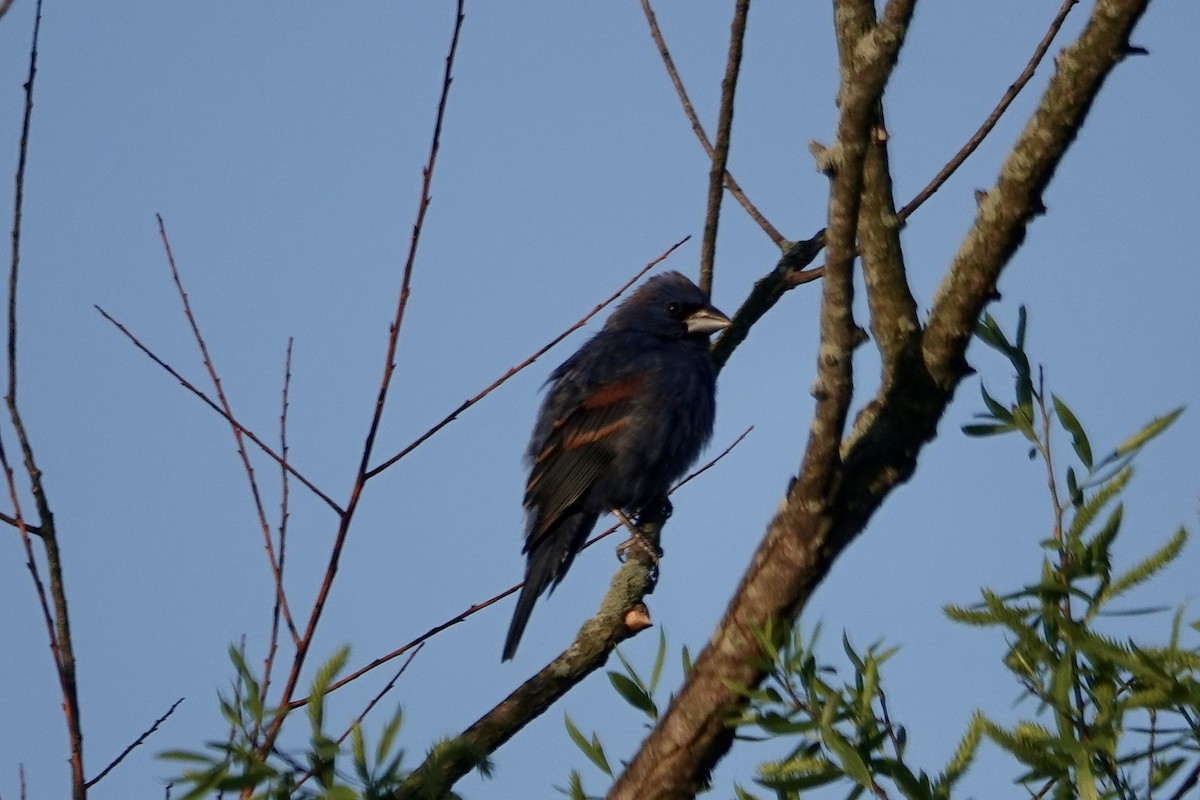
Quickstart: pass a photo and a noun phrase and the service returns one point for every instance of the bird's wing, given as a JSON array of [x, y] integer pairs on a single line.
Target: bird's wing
[[577, 448]]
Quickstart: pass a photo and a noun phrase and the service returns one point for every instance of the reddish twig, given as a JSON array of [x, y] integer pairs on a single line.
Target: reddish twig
[[314, 618], [285, 494], [136, 742], [720, 153], [280, 597], [249, 434], [453, 415], [472, 610], [731, 184]]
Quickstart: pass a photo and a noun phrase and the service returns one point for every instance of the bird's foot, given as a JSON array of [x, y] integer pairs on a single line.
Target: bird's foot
[[640, 547], [644, 529]]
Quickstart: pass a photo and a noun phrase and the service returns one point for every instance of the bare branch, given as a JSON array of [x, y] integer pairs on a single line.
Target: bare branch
[[20, 523], [731, 184], [803, 541], [145, 735], [986, 128], [264, 526], [429, 634], [284, 497], [59, 629], [249, 434], [453, 415], [305, 642], [789, 273], [1005, 211], [720, 154], [592, 645]]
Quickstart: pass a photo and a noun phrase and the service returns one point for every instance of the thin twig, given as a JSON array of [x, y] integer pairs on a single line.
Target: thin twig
[[720, 154], [284, 492], [1192, 778], [314, 618], [269, 545], [249, 434], [358, 721], [472, 610], [1151, 755], [145, 735], [731, 184], [1011, 94], [390, 685], [453, 415], [34, 529]]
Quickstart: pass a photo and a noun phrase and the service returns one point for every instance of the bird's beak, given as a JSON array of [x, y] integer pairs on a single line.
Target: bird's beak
[[706, 320]]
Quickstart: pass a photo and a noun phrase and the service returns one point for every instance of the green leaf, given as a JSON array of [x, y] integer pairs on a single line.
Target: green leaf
[[358, 747], [1146, 568], [964, 754], [997, 409], [1092, 506], [853, 656], [592, 749], [988, 332], [1079, 440], [574, 788], [186, 756], [986, 429], [659, 657], [634, 694], [1023, 420], [320, 685], [848, 758], [1154, 428], [1076, 496]]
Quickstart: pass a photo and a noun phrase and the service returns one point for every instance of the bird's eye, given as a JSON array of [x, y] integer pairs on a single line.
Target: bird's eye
[[674, 309]]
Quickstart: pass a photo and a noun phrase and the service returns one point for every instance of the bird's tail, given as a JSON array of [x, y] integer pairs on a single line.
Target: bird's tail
[[529, 595], [549, 558]]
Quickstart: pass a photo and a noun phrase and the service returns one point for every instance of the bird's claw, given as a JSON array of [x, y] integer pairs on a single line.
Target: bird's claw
[[638, 545]]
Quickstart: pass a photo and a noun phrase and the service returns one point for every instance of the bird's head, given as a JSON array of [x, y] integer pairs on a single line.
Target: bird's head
[[671, 306]]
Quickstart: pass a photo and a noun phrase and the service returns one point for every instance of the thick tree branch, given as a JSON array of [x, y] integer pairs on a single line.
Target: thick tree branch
[[894, 323], [590, 650], [804, 539]]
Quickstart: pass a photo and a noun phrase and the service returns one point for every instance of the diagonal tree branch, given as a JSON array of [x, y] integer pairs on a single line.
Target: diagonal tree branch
[[988, 124], [453, 415], [803, 541], [304, 644]]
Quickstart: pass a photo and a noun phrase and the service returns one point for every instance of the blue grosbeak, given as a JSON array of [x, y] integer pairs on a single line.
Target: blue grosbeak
[[623, 419]]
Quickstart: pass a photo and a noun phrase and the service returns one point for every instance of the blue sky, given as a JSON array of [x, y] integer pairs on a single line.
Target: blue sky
[[283, 146]]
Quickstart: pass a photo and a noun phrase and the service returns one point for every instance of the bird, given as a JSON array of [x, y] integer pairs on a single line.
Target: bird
[[622, 420]]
